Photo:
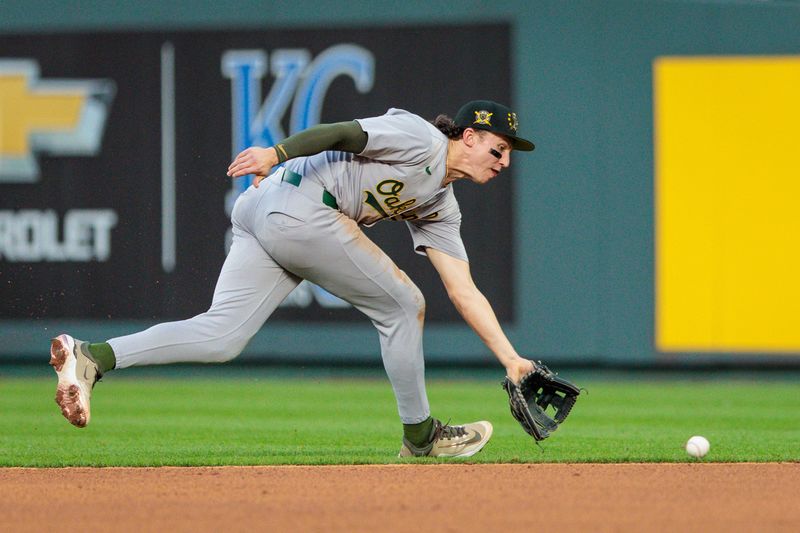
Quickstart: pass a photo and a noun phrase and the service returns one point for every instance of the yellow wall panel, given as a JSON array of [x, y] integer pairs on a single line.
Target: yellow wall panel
[[727, 186]]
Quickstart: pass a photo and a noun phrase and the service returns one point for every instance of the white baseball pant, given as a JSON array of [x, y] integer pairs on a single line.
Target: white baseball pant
[[282, 234]]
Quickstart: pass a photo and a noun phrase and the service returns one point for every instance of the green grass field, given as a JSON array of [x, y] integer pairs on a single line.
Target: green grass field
[[253, 420]]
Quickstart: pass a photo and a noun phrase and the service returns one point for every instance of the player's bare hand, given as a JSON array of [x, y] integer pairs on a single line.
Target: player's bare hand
[[253, 160], [518, 368]]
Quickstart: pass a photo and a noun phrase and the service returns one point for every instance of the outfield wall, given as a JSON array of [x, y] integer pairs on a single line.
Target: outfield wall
[[653, 223]]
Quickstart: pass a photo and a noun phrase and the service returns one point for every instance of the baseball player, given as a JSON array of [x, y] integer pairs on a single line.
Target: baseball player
[[302, 222]]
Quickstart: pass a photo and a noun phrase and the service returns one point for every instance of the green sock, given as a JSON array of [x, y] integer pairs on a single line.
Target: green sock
[[418, 434], [103, 356]]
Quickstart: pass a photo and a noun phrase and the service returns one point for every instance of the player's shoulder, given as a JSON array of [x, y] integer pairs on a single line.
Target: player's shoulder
[[395, 113], [399, 130], [414, 119]]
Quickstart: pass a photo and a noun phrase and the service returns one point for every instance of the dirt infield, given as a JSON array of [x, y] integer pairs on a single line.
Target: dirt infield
[[575, 497]]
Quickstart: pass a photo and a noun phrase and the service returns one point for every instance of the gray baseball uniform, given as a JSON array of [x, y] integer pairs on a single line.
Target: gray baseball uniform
[[287, 230]]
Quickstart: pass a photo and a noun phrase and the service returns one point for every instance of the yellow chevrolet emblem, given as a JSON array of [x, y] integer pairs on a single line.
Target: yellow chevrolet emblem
[[55, 117]]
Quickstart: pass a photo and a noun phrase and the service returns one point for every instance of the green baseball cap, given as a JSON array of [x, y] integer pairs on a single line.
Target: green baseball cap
[[491, 116]]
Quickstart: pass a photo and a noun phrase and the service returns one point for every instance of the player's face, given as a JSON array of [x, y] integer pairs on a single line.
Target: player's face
[[491, 154]]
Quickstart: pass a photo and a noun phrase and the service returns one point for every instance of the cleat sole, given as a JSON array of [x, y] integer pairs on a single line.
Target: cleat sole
[[69, 396]]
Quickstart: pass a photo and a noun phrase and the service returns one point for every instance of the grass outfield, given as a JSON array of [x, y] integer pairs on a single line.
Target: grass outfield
[[154, 421]]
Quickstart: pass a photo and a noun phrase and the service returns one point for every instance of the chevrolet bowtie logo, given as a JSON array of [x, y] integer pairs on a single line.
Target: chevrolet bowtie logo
[[55, 117]]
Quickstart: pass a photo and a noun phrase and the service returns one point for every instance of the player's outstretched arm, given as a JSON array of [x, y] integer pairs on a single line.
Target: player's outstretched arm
[[477, 312], [344, 136]]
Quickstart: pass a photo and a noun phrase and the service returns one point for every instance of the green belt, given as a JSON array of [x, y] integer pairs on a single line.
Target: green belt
[[293, 178]]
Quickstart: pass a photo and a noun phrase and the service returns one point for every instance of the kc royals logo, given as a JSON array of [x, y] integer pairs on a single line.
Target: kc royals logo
[[299, 81], [483, 117], [63, 117]]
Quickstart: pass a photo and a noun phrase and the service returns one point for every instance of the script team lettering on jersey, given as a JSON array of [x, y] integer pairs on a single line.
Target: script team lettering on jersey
[[389, 192]]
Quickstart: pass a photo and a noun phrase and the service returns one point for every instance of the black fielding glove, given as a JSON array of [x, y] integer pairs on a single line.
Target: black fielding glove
[[538, 390]]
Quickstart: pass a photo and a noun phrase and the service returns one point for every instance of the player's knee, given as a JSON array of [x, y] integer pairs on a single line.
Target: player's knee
[[413, 302], [234, 347], [223, 339], [225, 355], [223, 348]]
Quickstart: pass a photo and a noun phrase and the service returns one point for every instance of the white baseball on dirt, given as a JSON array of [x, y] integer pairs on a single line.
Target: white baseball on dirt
[[697, 446]]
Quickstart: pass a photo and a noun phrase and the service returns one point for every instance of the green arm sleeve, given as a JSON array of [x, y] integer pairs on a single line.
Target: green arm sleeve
[[344, 136]]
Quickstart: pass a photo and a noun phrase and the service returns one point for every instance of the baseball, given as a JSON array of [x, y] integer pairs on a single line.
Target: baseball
[[697, 446]]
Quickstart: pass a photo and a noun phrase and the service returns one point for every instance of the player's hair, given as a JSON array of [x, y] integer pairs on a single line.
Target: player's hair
[[448, 126]]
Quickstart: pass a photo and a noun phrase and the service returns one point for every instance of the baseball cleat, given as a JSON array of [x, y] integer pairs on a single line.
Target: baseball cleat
[[451, 441], [77, 374]]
